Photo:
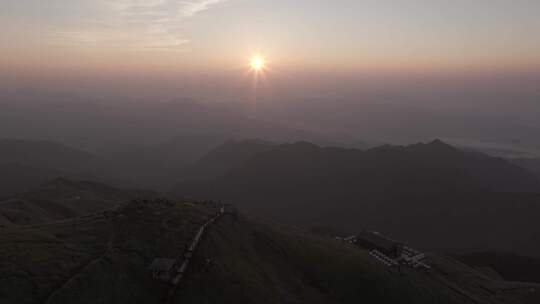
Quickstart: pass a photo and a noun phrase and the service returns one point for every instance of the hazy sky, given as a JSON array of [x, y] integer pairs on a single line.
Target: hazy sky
[[329, 62], [221, 35]]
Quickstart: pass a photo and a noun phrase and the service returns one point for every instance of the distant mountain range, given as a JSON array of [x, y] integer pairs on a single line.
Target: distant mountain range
[[27, 164], [45, 154], [421, 163], [431, 194], [111, 125], [428, 195], [158, 166]]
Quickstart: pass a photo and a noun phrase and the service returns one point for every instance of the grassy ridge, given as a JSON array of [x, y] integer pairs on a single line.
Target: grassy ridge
[[105, 259]]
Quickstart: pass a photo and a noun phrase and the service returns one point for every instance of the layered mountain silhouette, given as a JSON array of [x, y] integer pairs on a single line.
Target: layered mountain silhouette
[[26, 164], [72, 120], [226, 157], [432, 162], [45, 154], [431, 194], [414, 192], [157, 165]]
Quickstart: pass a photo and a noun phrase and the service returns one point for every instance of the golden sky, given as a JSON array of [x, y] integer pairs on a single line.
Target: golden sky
[[221, 35]]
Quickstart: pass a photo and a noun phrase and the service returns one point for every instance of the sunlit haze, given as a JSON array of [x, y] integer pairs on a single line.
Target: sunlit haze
[[258, 63], [216, 35], [470, 57]]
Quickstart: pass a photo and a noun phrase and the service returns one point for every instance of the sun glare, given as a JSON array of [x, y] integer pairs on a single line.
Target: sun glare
[[258, 63]]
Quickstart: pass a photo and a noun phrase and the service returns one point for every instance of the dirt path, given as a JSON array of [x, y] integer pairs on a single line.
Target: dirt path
[[83, 268], [187, 256]]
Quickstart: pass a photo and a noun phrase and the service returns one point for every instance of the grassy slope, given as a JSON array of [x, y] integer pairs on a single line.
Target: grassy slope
[[105, 260], [62, 199], [95, 261], [510, 266], [257, 263]]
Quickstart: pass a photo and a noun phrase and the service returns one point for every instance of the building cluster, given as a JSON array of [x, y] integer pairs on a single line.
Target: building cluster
[[387, 251]]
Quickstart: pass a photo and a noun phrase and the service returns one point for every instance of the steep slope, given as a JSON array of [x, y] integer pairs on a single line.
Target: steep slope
[[257, 263], [508, 265], [104, 258], [100, 258], [418, 193], [532, 164], [62, 199]]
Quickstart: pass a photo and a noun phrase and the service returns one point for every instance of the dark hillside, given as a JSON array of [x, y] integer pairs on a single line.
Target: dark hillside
[[104, 258], [419, 193], [510, 266], [16, 178], [532, 164], [96, 259], [63, 199]]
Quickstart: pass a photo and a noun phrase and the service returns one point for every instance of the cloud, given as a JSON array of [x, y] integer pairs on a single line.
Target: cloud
[[139, 25], [191, 8]]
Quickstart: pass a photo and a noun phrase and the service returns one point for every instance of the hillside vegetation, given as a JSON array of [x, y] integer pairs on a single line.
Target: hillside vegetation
[[104, 258], [62, 199]]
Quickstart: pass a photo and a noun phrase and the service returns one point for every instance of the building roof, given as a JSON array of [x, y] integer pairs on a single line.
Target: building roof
[[376, 240]]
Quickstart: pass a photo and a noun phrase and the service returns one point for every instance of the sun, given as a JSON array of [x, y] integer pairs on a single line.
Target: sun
[[257, 63]]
